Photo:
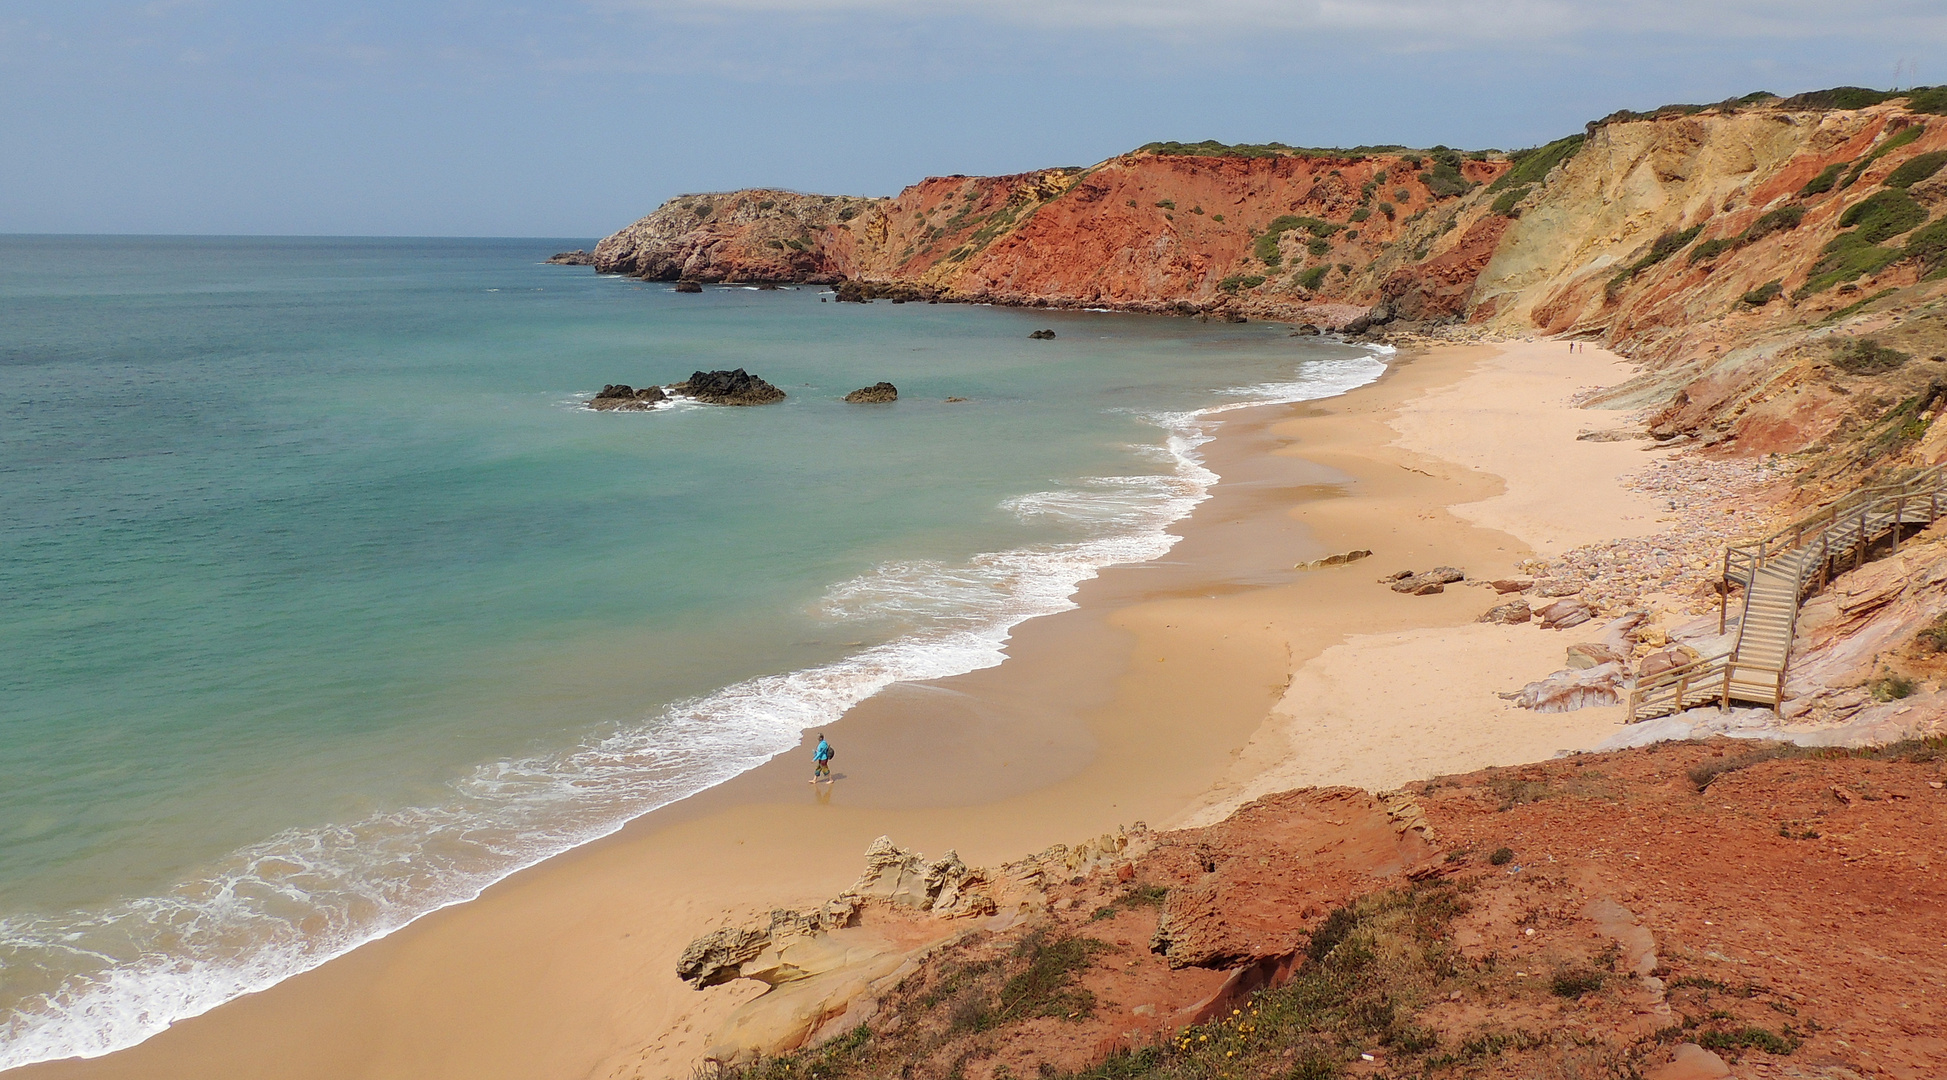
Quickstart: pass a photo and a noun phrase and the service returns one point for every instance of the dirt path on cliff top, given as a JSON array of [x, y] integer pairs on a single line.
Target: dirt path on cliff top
[[1124, 709]]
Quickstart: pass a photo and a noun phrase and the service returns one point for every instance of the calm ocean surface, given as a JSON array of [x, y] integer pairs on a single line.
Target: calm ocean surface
[[323, 603]]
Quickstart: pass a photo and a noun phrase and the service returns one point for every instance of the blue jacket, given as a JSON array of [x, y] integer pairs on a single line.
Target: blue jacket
[[824, 751]]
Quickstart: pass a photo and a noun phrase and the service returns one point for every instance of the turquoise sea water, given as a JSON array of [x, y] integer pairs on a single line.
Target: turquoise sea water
[[324, 603]]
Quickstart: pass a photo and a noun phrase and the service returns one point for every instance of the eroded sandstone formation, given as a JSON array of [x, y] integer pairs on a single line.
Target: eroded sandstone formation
[[1570, 918]]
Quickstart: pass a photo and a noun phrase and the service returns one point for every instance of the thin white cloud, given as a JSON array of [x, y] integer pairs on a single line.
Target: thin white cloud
[[1396, 22]]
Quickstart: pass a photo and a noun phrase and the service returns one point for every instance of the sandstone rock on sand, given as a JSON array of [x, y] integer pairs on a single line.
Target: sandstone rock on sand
[[623, 396], [1508, 585], [719, 956], [1569, 690], [1588, 654], [1340, 559], [1563, 614], [729, 388], [1512, 613], [877, 393], [1663, 660], [1433, 581]]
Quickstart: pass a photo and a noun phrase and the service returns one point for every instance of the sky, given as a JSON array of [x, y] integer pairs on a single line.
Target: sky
[[571, 118]]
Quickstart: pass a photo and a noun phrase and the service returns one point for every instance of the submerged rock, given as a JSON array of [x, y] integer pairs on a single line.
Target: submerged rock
[[689, 286], [877, 393], [1042, 335], [622, 396], [737, 387]]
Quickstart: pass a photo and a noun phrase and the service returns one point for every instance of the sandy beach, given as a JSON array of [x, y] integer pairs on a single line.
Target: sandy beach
[[1175, 691]]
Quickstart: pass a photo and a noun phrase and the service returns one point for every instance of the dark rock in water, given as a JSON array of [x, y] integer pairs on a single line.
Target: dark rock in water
[[864, 292], [689, 286], [1305, 330], [767, 286], [572, 258], [1043, 335], [874, 394], [737, 387], [622, 396]]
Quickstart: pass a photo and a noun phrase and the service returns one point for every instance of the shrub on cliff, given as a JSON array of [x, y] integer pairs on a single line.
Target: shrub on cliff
[[1783, 219], [1826, 180], [1929, 245], [1848, 256], [1894, 142], [1916, 169], [1504, 204], [1266, 247], [1839, 97], [1764, 294], [1235, 282], [1361, 214], [1444, 181], [1664, 246], [1533, 166], [1712, 248], [1883, 215], [1866, 356], [1928, 99], [1311, 279], [1386, 208]]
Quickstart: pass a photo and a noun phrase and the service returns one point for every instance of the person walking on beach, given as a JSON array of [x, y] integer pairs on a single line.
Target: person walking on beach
[[823, 757]]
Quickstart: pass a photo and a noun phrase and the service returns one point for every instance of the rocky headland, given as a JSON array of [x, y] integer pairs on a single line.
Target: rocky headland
[[1732, 250]]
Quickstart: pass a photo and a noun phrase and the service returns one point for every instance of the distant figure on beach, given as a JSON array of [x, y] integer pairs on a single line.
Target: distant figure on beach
[[823, 756]]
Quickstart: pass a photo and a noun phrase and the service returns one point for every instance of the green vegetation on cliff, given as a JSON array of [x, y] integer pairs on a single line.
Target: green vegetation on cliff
[[1533, 166], [1266, 247], [1883, 215], [1916, 169]]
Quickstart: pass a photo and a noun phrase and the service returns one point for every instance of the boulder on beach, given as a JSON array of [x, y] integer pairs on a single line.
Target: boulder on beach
[[1433, 581], [623, 396], [1512, 613], [1565, 613], [737, 387], [877, 393], [1341, 559]]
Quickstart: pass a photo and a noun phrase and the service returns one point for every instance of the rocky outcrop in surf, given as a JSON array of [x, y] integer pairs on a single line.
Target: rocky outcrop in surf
[[624, 397], [737, 387], [876, 394], [576, 257]]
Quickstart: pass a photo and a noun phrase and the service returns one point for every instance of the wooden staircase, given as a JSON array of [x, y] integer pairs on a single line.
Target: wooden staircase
[[1776, 574]]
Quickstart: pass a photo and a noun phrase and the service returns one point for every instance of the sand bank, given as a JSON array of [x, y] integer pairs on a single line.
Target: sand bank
[[1175, 689]]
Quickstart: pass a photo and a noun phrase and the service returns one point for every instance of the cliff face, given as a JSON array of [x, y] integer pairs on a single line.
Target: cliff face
[[1733, 250]]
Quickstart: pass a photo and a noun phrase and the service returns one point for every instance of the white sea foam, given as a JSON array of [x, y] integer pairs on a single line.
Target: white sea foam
[[85, 983]]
